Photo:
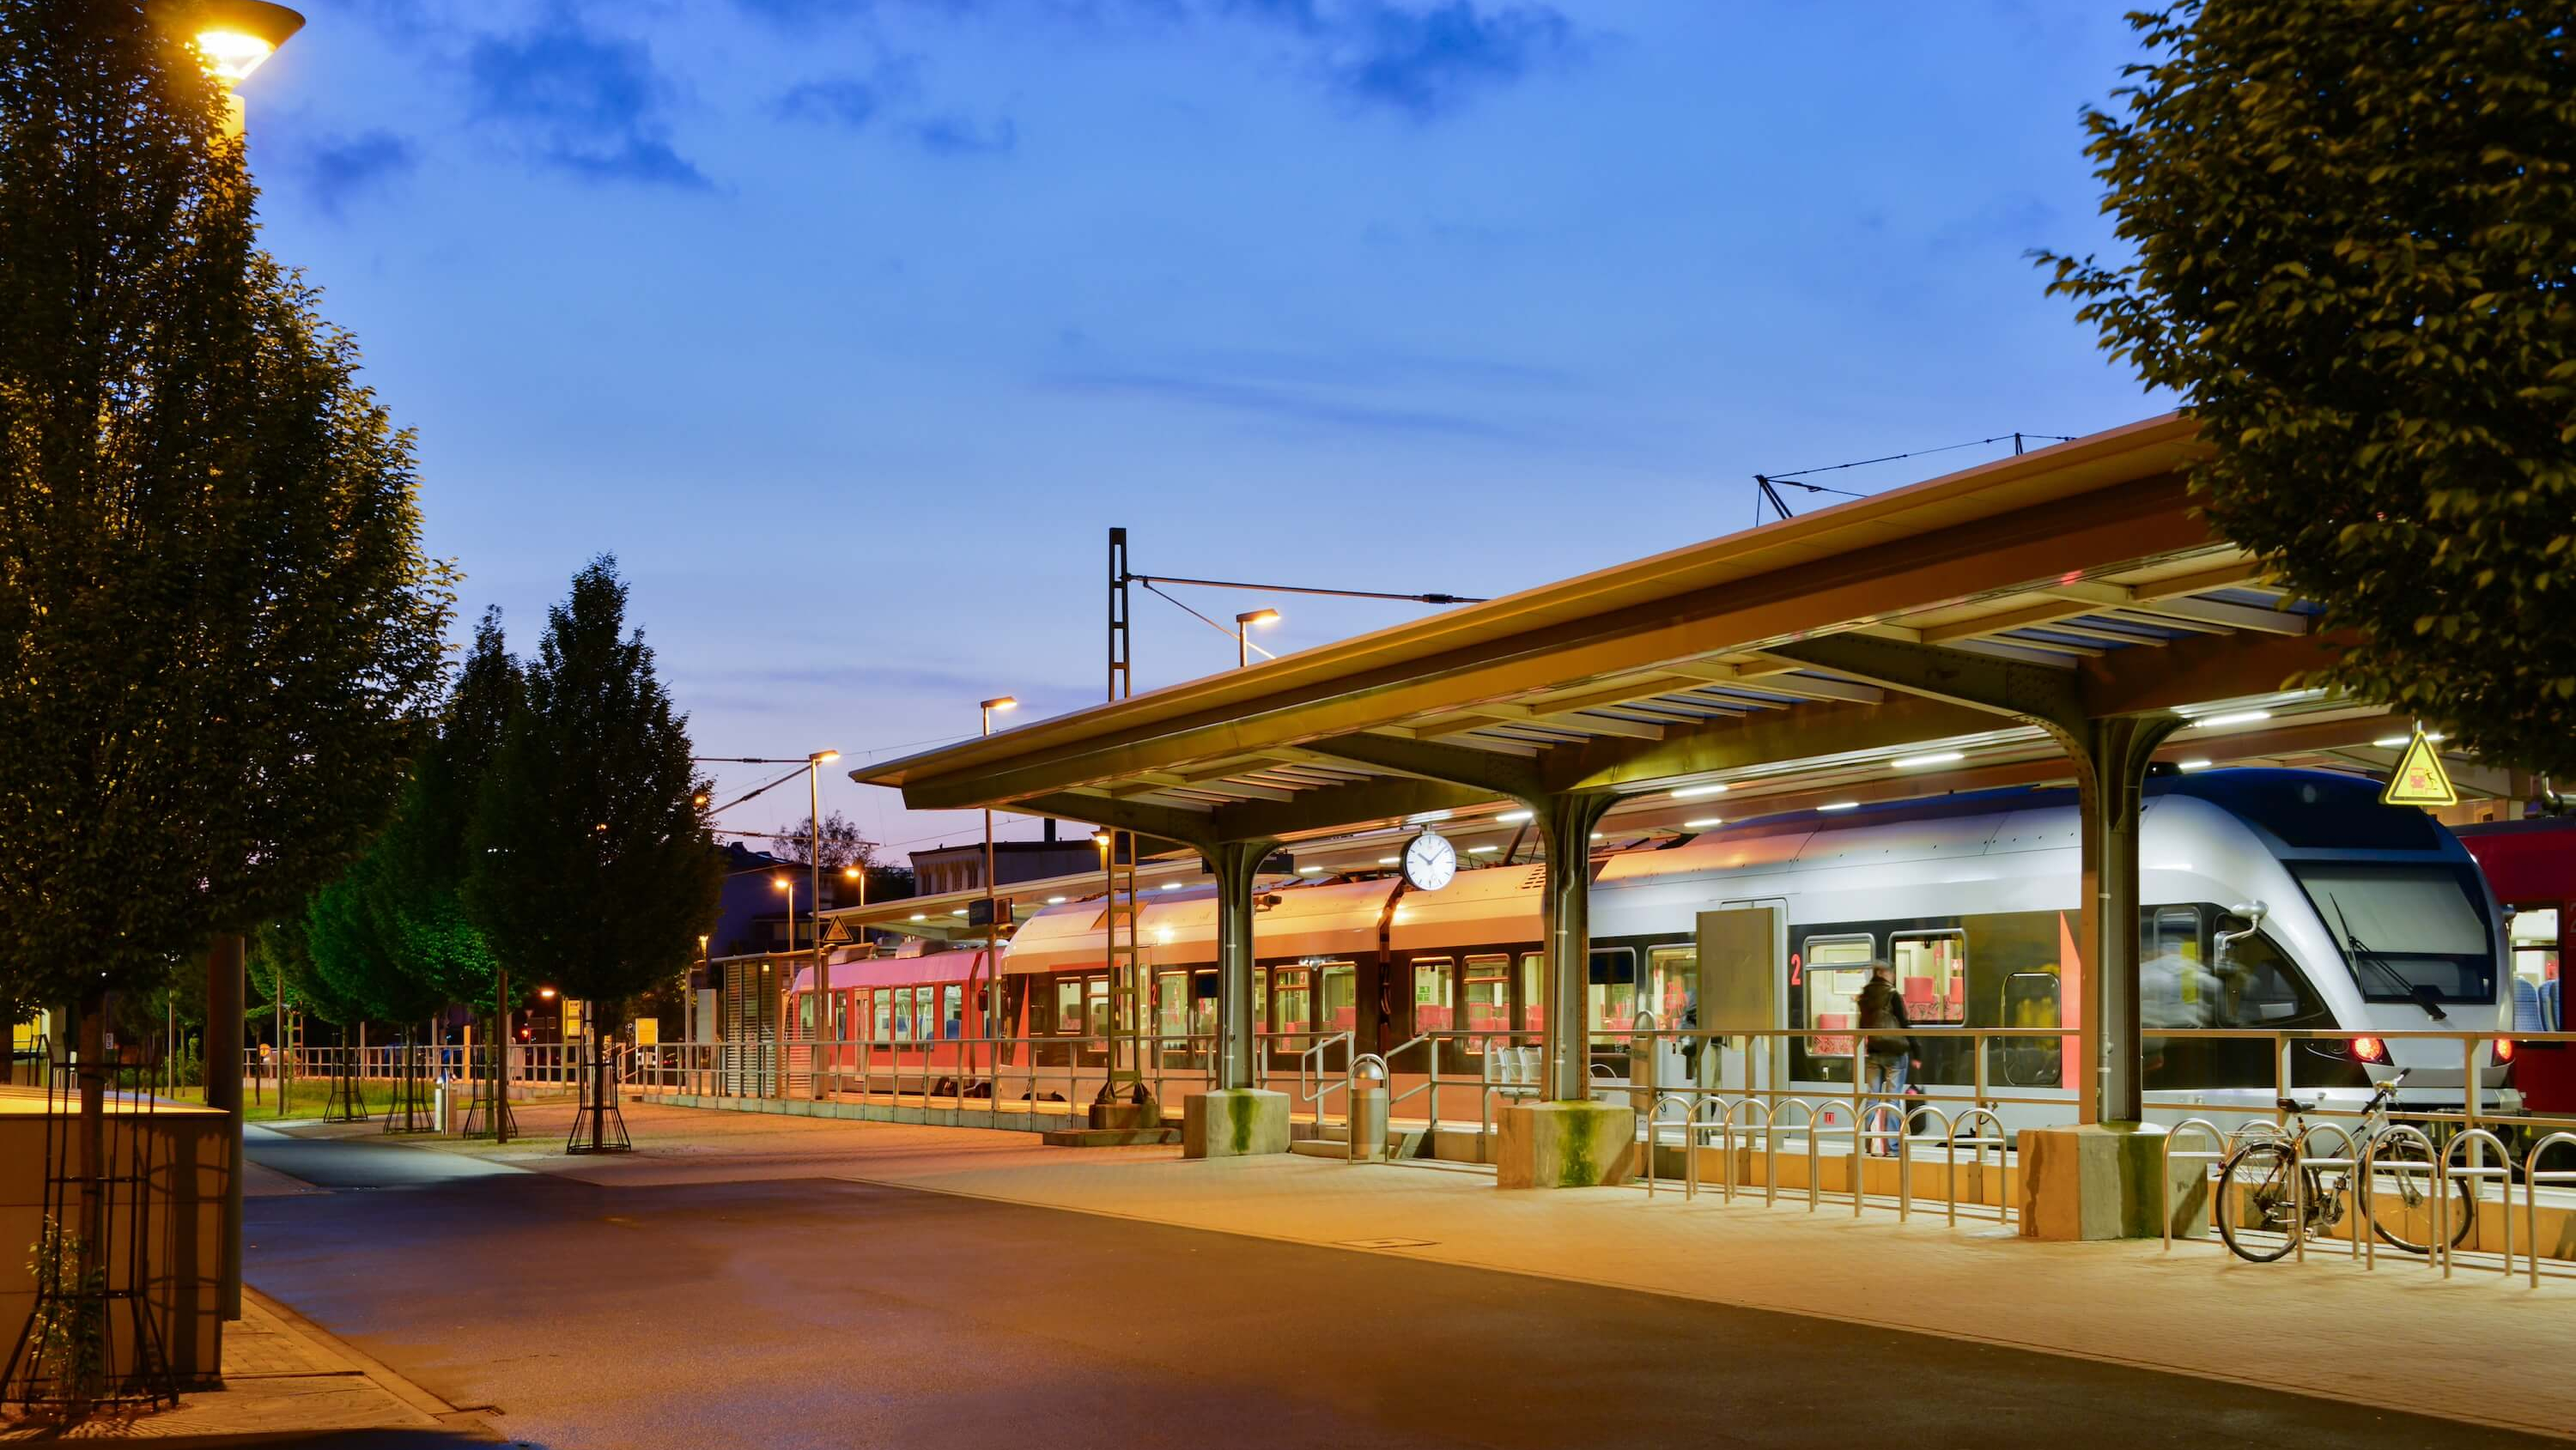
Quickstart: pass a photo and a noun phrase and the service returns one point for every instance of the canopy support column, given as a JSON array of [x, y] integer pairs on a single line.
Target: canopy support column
[[1565, 1139], [1233, 1118]]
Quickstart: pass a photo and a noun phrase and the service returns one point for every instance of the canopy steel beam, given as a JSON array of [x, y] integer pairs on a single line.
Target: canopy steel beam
[[1955, 677]]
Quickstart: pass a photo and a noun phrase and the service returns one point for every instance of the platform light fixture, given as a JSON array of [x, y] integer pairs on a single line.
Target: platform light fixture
[[1694, 792], [2234, 717], [2197, 762], [1839, 806], [1703, 823], [1244, 624], [1482, 850], [1512, 818], [1390, 860], [1919, 762], [1055, 901]]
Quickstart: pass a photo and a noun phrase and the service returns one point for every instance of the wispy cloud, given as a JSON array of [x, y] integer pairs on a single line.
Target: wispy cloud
[[337, 171], [589, 104], [954, 135], [1306, 407], [1427, 63], [844, 101]]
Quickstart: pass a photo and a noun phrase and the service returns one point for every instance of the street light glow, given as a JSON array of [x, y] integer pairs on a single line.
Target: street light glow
[[1002, 702], [233, 37], [824, 757], [1258, 618]]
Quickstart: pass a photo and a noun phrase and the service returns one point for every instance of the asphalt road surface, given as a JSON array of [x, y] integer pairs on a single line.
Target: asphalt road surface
[[820, 1312]]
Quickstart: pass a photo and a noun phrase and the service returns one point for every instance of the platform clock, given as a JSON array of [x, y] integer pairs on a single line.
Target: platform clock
[[1429, 861]]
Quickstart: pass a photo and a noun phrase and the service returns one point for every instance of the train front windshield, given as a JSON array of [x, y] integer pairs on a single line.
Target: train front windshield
[[2408, 933]]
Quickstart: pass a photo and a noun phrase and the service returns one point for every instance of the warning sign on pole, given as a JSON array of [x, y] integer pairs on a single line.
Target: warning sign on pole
[[2420, 779]]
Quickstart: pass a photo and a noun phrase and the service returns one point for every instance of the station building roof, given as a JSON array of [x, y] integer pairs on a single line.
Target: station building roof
[[1728, 677]]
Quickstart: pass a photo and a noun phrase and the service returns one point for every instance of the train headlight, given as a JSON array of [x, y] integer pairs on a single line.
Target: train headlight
[[2369, 1049]]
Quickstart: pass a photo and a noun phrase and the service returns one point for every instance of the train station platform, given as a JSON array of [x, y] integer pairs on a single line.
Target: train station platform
[[2479, 1347]]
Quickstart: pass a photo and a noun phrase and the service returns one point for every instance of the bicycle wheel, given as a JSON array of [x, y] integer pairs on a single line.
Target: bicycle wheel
[[2254, 1187], [2402, 1213]]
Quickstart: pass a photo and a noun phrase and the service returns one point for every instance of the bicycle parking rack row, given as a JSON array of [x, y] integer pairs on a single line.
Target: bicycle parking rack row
[[2365, 1163], [1749, 1120]]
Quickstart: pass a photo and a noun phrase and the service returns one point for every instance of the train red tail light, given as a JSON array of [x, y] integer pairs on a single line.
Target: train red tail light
[[2369, 1049], [2504, 1049]]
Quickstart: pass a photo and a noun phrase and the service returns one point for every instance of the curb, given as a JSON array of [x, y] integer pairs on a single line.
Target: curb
[[465, 1420]]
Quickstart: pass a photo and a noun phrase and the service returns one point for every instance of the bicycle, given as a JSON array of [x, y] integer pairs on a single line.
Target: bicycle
[[2271, 1201]]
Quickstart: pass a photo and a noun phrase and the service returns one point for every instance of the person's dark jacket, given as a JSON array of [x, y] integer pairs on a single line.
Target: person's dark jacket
[[1881, 1009]]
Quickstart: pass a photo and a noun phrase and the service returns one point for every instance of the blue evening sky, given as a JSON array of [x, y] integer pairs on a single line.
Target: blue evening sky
[[850, 326]]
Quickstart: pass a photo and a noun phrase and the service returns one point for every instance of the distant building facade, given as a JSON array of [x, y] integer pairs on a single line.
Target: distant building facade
[[961, 867]]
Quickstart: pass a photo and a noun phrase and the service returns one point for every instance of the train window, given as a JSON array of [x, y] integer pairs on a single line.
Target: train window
[[1203, 1004], [1261, 1001], [1613, 989], [1289, 1000], [1434, 1007], [1095, 1003], [1068, 1004], [951, 1010], [2257, 985], [1489, 997], [2535, 966], [883, 1003], [902, 997], [1172, 1009], [1532, 1003], [2408, 933], [1672, 985], [1836, 968], [2030, 1000], [1339, 985], [1931, 974]]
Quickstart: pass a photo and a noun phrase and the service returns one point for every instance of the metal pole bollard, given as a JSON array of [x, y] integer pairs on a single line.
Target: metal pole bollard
[[1368, 1111]]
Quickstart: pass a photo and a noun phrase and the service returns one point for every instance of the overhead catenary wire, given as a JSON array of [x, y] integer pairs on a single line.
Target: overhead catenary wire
[[1203, 619], [1766, 493]]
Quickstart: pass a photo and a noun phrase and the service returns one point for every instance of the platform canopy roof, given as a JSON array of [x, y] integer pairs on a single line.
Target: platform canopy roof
[[1811, 660]]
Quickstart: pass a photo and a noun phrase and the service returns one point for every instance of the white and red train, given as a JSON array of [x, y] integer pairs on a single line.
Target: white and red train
[[2273, 899]]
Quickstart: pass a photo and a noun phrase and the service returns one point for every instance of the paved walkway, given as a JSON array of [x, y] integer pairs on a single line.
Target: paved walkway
[[2475, 1348], [285, 1382]]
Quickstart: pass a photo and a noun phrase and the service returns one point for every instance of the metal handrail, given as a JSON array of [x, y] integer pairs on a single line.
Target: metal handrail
[[1323, 1085]]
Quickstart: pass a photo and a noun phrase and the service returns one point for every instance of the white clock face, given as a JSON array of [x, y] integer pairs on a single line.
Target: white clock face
[[1429, 861]]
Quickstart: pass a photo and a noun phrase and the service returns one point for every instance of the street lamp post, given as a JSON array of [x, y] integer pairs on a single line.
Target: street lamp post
[[232, 38], [1244, 624], [992, 925], [786, 986], [814, 861]]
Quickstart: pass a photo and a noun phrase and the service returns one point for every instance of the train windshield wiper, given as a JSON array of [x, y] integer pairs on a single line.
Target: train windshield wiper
[[2421, 995]]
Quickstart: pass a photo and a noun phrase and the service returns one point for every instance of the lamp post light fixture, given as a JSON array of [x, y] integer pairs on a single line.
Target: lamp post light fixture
[[232, 38], [1244, 624]]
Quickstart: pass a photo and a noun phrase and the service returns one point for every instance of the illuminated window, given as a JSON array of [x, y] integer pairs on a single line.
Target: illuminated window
[[1433, 1010], [1931, 974]]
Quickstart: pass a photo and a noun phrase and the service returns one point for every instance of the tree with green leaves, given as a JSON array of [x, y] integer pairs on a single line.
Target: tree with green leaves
[[218, 630], [2353, 223], [589, 860]]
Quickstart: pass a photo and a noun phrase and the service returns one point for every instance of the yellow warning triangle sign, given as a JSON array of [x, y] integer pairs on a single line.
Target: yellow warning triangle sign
[[2420, 779]]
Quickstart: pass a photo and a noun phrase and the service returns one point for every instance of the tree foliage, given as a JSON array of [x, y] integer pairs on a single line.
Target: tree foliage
[[842, 845], [391, 936], [2355, 236], [589, 865], [217, 626]]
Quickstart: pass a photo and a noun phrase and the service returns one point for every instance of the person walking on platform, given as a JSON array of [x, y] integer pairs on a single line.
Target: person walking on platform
[[1889, 1051]]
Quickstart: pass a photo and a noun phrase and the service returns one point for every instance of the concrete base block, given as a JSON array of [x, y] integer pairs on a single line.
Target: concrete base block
[[2100, 1181], [1234, 1123], [1126, 1115], [1566, 1145]]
